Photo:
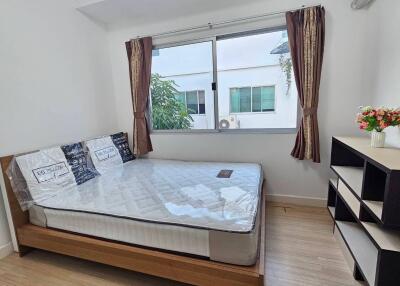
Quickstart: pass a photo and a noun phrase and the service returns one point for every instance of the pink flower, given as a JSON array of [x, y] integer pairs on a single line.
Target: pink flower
[[363, 125]]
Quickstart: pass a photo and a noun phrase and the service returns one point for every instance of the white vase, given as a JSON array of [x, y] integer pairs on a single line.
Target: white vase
[[378, 139]]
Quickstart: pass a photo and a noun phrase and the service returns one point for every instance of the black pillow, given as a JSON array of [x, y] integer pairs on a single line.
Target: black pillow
[[120, 141], [81, 167]]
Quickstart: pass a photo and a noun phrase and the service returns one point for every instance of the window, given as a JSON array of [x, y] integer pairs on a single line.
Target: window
[[193, 100], [181, 93], [252, 99], [252, 75]]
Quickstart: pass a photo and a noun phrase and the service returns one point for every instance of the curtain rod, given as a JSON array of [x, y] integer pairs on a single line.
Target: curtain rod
[[222, 23]]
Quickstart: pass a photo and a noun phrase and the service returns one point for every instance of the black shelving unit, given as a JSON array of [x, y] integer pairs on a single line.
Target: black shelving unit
[[364, 202]]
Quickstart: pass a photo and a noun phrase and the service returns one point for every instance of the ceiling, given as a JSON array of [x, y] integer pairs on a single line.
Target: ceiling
[[138, 12]]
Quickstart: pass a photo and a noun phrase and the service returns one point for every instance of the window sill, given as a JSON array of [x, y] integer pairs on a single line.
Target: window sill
[[229, 131]]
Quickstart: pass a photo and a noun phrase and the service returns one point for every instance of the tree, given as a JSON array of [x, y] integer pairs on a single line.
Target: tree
[[167, 111]]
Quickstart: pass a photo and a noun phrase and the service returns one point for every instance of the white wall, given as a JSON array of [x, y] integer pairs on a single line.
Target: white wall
[[55, 78], [342, 91], [385, 60]]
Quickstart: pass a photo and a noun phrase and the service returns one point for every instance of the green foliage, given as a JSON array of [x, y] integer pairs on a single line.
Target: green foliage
[[167, 111], [286, 65]]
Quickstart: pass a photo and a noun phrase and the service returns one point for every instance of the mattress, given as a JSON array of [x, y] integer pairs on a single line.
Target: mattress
[[178, 206]]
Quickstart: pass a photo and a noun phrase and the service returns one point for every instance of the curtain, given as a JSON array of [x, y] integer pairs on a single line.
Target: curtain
[[306, 33], [139, 56]]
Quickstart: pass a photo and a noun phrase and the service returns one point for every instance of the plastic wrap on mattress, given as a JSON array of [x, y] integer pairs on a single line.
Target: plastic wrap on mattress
[[171, 192], [39, 175]]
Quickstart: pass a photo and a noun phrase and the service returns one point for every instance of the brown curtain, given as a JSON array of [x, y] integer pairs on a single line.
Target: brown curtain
[[306, 33], [139, 56]]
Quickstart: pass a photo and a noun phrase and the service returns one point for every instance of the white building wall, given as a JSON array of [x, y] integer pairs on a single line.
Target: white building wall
[[284, 116]]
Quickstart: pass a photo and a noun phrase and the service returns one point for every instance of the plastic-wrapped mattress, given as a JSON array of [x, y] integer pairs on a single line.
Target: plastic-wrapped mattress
[[205, 209]]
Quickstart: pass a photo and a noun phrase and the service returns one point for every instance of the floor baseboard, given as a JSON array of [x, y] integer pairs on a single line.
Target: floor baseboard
[[297, 200], [6, 250]]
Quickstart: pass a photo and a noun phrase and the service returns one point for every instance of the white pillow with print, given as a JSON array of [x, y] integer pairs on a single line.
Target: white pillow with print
[[46, 172], [104, 154]]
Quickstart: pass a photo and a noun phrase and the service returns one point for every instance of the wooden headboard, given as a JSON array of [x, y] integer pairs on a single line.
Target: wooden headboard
[[14, 213], [16, 216]]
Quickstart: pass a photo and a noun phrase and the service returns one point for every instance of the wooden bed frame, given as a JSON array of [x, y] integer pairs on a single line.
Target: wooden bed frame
[[176, 267]]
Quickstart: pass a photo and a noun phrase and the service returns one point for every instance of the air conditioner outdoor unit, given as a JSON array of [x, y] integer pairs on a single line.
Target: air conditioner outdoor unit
[[229, 122]]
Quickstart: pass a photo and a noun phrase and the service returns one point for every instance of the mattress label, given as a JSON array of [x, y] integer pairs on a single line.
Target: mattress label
[[51, 172], [225, 174], [106, 153]]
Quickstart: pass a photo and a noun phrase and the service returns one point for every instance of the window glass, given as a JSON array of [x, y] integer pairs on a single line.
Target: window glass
[[202, 102], [253, 75], [268, 98], [256, 99], [235, 100], [192, 102], [181, 93], [245, 99], [181, 97], [256, 86]]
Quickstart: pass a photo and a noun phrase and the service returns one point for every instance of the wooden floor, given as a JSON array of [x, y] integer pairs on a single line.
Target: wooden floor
[[300, 251]]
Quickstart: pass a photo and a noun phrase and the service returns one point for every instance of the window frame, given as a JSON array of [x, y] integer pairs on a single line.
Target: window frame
[[198, 100], [251, 101], [213, 40]]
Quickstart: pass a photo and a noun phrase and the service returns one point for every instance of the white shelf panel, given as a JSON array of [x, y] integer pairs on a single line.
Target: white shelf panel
[[332, 211], [345, 250], [388, 156], [334, 181], [364, 251], [386, 239], [375, 206], [349, 198], [353, 176]]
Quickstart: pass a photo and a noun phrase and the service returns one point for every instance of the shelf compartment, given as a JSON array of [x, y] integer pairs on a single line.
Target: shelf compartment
[[353, 176], [386, 157], [353, 203], [386, 239], [342, 155], [364, 251], [375, 183], [376, 207]]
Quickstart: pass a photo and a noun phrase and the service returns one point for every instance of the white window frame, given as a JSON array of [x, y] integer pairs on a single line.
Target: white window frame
[[216, 129], [251, 101], [198, 100]]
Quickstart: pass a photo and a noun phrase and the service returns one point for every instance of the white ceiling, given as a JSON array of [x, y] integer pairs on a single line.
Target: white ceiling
[[138, 12]]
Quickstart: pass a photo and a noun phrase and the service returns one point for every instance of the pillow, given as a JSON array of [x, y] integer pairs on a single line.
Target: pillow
[[45, 172], [109, 152], [49, 170], [81, 166], [121, 143]]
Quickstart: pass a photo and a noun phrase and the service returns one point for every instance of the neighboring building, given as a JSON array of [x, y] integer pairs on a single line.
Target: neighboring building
[[252, 88]]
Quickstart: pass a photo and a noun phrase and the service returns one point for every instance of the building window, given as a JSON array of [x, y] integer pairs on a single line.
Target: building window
[[236, 79], [252, 99], [193, 100]]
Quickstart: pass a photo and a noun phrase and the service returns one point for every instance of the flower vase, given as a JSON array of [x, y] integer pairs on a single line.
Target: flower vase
[[378, 139]]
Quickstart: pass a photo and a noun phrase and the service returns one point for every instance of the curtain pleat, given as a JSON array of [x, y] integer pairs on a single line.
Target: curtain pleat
[[139, 55], [306, 33]]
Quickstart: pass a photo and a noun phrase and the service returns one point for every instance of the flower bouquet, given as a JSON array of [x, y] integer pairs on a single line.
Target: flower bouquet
[[376, 120]]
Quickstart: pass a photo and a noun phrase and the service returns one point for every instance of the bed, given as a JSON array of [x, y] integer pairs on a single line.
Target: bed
[[173, 219]]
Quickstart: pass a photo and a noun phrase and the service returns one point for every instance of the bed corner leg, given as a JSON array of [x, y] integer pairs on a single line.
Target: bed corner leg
[[24, 250]]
